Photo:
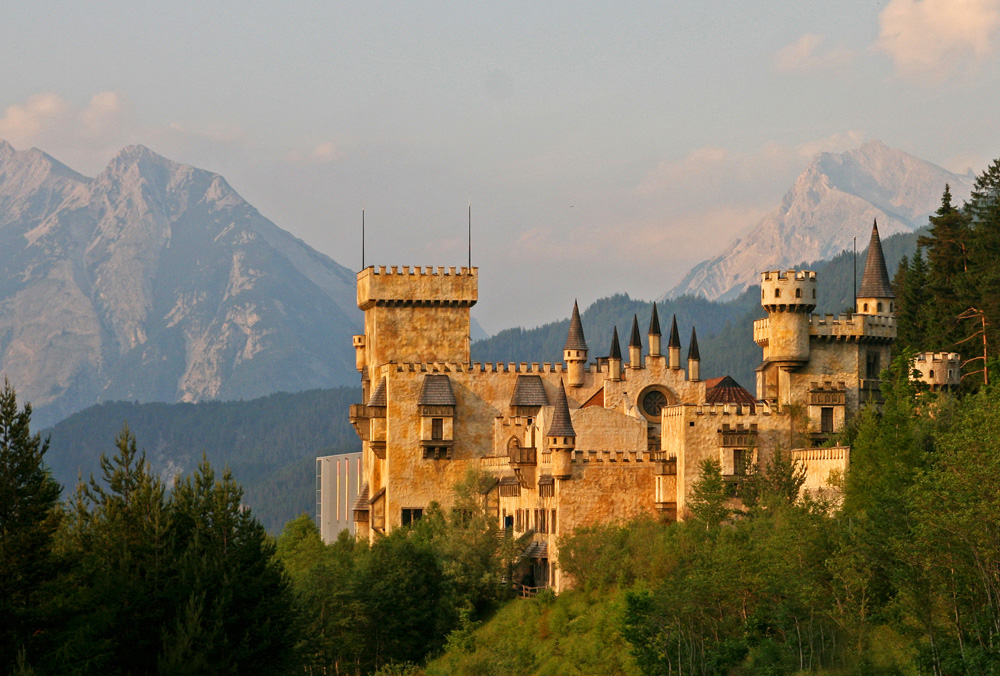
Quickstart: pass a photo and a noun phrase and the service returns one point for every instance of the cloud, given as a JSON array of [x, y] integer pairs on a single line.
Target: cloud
[[930, 40], [22, 123], [326, 152], [807, 55]]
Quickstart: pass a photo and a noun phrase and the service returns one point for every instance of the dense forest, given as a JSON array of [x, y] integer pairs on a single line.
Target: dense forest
[[725, 330], [269, 444]]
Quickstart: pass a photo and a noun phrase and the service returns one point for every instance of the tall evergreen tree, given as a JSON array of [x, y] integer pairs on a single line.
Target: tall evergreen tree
[[29, 517], [913, 305], [983, 210], [949, 256]]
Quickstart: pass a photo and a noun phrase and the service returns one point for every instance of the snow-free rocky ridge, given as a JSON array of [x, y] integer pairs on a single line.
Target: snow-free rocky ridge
[[156, 281]]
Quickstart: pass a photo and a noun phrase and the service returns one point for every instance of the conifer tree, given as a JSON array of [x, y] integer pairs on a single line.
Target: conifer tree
[[28, 521], [949, 256], [983, 210], [913, 305]]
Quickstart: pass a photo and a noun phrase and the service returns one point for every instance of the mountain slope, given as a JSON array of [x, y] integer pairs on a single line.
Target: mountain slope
[[836, 198], [156, 281]]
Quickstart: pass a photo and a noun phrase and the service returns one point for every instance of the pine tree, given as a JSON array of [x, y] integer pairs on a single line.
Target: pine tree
[[29, 518], [913, 305], [983, 210], [949, 256]]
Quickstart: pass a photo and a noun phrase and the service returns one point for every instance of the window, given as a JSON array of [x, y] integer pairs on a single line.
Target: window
[[814, 294], [872, 367], [878, 307], [739, 461], [777, 293], [932, 373], [552, 522], [546, 490], [411, 514], [826, 420], [798, 293], [508, 521], [866, 307], [437, 429]]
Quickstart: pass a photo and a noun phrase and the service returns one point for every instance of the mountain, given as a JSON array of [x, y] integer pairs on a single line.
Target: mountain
[[836, 198], [156, 281]]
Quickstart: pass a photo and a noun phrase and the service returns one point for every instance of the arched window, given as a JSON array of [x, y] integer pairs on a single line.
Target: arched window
[[798, 293], [514, 449], [932, 373], [866, 307], [777, 293], [878, 307]]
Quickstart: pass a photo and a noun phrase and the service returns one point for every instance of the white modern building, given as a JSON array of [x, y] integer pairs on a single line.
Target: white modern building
[[338, 482]]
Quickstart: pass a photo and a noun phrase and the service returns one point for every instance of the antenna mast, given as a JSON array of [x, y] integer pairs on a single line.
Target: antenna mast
[[470, 236], [855, 273], [362, 238]]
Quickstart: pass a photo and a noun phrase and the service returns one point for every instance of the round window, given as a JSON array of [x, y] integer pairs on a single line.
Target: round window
[[652, 400]]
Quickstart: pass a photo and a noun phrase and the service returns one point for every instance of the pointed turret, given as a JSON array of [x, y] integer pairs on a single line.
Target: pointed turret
[[694, 358], [654, 333], [561, 438], [635, 345], [575, 349], [674, 346], [615, 359], [875, 297]]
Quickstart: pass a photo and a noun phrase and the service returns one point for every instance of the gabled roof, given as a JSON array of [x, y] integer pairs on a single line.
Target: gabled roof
[[529, 391], [561, 426], [436, 391], [575, 339], [675, 338], [875, 282], [616, 349], [636, 339], [378, 397], [693, 348], [654, 322], [725, 390]]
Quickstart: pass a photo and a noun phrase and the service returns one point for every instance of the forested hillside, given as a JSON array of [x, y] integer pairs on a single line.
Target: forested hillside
[[269, 443], [725, 330]]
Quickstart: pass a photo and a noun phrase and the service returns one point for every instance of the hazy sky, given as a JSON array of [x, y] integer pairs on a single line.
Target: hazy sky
[[605, 147]]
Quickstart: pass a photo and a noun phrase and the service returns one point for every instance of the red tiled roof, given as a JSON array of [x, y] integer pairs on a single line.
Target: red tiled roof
[[725, 390]]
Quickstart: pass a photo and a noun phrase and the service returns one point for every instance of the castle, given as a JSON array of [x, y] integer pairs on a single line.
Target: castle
[[589, 441]]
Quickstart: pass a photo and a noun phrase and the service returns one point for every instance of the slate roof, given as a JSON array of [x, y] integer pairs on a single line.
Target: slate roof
[[378, 397], [562, 426], [616, 349], [538, 549], [725, 390], [575, 339], [529, 391], [875, 282], [675, 337], [654, 322], [436, 391], [636, 340], [361, 505], [693, 349]]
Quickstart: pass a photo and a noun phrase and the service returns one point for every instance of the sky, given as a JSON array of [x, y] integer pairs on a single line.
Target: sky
[[605, 147]]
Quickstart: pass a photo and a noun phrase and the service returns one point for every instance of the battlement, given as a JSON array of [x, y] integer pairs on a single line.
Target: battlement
[[735, 410], [782, 276], [853, 327], [813, 454], [406, 286], [938, 357], [478, 367], [939, 369]]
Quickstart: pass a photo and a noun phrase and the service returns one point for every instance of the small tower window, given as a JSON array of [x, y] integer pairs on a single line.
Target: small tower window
[[798, 293], [932, 373], [777, 293], [878, 307], [892, 307], [814, 294], [866, 307]]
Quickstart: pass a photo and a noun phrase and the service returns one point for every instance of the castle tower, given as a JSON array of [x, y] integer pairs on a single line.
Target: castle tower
[[575, 349], [674, 345], [615, 359], [561, 438], [875, 297], [789, 299], [694, 358], [415, 314], [654, 333], [635, 346]]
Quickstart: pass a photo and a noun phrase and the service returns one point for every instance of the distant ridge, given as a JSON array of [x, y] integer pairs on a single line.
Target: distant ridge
[[835, 199], [156, 281]]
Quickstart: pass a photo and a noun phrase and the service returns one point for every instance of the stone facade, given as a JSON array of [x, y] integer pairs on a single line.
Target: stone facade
[[590, 441]]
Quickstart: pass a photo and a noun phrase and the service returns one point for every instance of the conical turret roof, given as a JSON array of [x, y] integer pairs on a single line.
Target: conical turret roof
[[575, 339], [875, 281], [636, 339], [616, 349], [654, 322], [561, 426], [693, 349], [675, 338]]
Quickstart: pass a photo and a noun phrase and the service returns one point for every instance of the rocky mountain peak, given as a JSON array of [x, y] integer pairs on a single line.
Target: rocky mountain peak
[[835, 198]]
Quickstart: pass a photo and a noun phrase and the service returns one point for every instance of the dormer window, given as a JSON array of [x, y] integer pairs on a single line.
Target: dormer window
[[437, 415]]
